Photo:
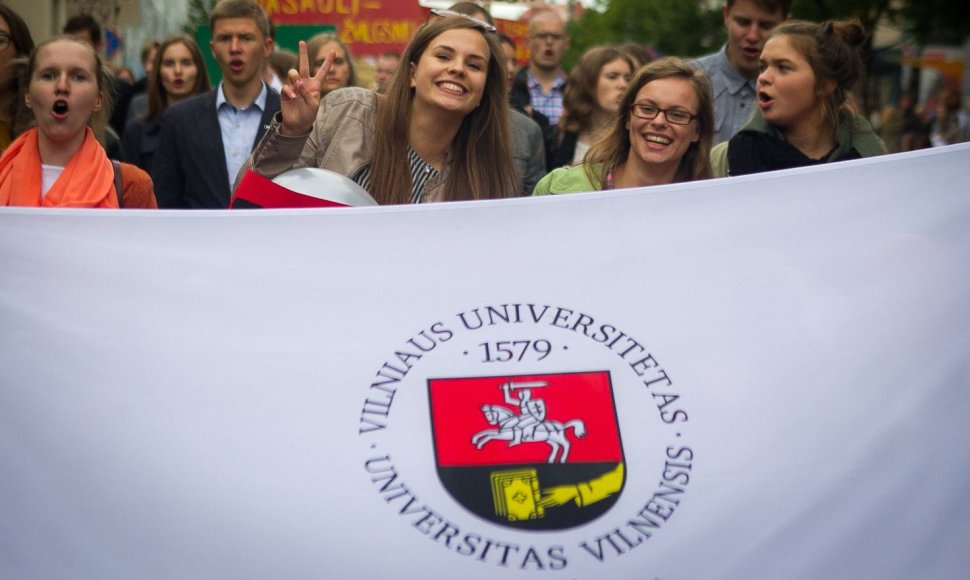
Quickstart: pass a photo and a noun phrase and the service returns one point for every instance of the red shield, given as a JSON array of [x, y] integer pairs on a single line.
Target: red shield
[[529, 451]]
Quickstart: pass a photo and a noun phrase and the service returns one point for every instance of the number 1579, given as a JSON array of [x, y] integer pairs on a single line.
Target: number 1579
[[517, 350]]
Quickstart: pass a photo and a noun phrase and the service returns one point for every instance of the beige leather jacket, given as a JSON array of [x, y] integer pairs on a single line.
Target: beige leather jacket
[[341, 140]]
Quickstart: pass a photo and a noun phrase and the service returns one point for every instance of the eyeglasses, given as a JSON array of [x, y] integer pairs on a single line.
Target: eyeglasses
[[548, 37], [5, 40], [675, 116], [451, 13]]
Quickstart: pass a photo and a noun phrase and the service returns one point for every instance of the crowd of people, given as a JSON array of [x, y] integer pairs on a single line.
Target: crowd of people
[[450, 118]]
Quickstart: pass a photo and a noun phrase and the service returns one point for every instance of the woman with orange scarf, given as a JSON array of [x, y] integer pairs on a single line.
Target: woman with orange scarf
[[59, 163]]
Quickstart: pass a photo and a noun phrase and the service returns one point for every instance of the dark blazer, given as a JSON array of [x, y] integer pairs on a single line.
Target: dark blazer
[[140, 142], [189, 169]]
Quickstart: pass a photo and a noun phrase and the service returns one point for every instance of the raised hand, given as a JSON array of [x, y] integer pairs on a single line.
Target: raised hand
[[300, 97]]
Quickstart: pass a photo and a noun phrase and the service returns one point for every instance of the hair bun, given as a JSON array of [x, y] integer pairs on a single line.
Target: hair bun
[[850, 31]]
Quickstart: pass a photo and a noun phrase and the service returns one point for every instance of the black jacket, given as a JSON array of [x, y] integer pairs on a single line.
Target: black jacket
[[140, 142], [519, 93]]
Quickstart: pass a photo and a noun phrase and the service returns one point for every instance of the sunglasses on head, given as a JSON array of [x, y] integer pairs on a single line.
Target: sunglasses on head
[[435, 14]]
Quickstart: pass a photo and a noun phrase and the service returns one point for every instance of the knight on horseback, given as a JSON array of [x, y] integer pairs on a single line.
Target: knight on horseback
[[530, 425], [532, 412]]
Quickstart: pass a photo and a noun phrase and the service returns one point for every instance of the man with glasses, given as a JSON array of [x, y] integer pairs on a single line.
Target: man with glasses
[[539, 86]]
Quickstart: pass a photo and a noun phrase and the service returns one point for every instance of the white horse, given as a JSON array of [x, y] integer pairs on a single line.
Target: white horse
[[551, 432]]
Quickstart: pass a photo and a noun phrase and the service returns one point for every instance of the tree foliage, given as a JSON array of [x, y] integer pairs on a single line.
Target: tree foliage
[[869, 12], [198, 15], [676, 27], [937, 21], [944, 21]]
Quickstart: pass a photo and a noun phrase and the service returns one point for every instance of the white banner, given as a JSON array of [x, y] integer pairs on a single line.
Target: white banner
[[757, 377]]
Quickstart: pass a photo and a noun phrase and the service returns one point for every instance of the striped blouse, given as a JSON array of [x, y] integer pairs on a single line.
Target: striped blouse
[[421, 172]]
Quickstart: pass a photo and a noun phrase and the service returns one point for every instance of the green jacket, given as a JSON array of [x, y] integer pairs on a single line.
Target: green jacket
[[572, 179]]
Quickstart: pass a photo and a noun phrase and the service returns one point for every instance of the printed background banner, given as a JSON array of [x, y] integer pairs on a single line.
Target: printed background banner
[[758, 377]]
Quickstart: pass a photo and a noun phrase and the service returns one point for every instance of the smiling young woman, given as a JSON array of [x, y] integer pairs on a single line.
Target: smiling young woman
[[443, 122], [59, 163], [662, 134], [802, 118]]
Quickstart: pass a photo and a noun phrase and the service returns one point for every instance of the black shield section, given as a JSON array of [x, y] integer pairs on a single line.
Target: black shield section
[[473, 487]]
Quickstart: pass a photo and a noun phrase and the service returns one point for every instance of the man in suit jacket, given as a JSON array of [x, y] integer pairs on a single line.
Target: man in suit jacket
[[206, 139]]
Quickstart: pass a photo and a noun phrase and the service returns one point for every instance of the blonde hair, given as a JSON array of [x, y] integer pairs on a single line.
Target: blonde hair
[[99, 119]]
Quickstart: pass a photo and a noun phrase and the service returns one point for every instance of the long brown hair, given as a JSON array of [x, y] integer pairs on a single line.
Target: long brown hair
[[11, 94], [579, 100], [481, 163], [613, 147], [157, 97]]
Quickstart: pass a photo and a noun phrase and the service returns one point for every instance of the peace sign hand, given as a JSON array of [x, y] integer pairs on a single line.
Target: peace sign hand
[[300, 98]]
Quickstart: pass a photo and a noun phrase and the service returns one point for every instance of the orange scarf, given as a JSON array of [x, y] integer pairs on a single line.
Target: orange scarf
[[87, 181]]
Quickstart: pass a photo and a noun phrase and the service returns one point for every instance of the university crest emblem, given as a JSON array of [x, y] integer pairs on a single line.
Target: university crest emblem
[[532, 452]]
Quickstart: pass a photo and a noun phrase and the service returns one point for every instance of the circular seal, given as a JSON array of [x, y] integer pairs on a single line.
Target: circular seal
[[536, 420]]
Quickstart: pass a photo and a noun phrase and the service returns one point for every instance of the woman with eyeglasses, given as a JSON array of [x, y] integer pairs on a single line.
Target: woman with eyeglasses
[[439, 133], [15, 43], [662, 134], [592, 99], [802, 118], [178, 72]]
